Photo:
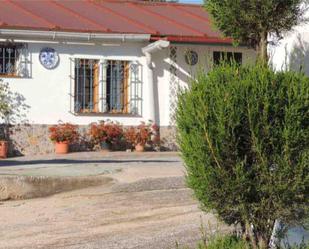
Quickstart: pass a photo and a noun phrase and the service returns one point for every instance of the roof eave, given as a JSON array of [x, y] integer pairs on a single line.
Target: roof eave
[[75, 36], [194, 39]]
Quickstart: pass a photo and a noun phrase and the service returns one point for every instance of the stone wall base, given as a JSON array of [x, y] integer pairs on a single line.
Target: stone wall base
[[168, 138], [34, 140]]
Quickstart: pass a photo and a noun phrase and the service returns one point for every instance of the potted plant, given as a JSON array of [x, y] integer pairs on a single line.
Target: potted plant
[[4, 144], [7, 111], [4, 148], [155, 136], [5, 137], [105, 134], [139, 136], [63, 135]]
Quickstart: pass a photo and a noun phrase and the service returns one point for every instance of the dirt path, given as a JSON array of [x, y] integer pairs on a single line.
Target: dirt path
[[143, 207]]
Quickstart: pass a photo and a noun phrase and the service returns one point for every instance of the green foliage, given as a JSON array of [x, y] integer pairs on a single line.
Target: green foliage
[[232, 242], [4, 103], [244, 137], [250, 21], [225, 242], [13, 109]]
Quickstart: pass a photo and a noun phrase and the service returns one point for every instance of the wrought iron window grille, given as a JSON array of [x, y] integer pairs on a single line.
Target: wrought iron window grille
[[15, 60], [105, 87]]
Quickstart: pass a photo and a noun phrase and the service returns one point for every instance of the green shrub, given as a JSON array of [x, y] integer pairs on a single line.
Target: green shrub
[[5, 107], [225, 242], [244, 137], [232, 242]]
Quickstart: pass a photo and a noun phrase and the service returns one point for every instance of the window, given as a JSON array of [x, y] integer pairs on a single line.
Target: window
[[86, 85], [117, 86], [14, 60], [228, 56], [8, 60], [110, 87]]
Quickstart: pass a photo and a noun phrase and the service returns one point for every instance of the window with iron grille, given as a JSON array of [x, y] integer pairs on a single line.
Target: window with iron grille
[[117, 87], [86, 85], [14, 60], [110, 87]]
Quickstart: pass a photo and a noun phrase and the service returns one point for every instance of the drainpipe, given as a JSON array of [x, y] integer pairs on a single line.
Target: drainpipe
[[147, 51]]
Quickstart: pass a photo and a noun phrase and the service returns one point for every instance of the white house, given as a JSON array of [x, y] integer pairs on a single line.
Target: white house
[[86, 61], [292, 52]]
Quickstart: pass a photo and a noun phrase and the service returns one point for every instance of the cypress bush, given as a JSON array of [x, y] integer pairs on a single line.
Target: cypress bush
[[244, 136]]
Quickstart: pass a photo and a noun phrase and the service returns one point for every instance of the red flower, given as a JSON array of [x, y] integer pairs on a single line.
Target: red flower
[[63, 133], [140, 134], [108, 132]]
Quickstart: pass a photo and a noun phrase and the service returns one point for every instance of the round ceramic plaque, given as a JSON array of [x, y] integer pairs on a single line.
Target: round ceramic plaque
[[191, 57], [49, 58]]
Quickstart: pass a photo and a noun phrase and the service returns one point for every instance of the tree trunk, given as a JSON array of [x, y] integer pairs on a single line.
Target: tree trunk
[[249, 235], [262, 48], [262, 242], [262, 238]]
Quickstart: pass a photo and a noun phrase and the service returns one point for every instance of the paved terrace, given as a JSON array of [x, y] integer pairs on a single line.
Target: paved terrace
[[88, 163], [97, 201]]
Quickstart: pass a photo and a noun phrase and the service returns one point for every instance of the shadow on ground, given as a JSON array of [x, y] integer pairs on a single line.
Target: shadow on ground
[[27, 187]]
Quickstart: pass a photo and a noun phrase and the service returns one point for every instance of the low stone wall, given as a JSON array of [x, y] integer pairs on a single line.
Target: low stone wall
[[33, 139], [168, 138]]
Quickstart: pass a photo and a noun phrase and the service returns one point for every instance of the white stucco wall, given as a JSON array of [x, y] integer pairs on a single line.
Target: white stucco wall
[[293, 50], [185, 72], [47, 91]]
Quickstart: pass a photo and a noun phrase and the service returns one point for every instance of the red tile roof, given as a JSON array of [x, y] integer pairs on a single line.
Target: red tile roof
[[172, 21]]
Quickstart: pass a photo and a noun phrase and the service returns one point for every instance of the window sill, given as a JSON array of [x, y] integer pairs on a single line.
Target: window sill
[[10, 76], [101, 114]]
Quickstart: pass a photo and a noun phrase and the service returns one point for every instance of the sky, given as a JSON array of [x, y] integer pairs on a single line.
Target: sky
[[191, 1]]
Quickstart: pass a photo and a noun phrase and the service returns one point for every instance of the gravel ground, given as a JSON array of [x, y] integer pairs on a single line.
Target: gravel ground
[[145, 206]]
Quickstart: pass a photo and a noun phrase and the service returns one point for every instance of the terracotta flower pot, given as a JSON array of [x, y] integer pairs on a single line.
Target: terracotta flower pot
[[139, 148], [62, 147], [105, 147], [4, 147]]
